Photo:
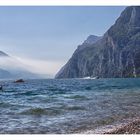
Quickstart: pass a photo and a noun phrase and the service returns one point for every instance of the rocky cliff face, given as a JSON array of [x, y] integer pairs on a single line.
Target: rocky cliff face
[[116, 54]]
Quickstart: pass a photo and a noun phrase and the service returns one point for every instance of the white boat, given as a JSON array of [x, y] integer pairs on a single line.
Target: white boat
[[91, 77], [87, 77]]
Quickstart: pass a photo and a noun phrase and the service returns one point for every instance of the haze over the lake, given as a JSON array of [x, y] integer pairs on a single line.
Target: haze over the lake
[[44, 38]]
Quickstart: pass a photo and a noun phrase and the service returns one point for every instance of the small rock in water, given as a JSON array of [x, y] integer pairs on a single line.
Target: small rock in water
[[19, 81]]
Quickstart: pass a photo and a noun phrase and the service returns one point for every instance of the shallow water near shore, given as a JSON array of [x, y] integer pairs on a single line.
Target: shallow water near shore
[[55, 106]]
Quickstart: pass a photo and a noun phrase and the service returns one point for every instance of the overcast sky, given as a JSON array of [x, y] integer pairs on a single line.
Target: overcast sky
[[46, 37]]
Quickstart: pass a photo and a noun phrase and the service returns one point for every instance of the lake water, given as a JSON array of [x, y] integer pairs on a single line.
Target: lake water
[[67, 106]]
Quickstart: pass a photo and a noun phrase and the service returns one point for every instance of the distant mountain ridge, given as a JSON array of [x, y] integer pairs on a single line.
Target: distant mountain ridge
[[12, 69], [4, 73], [3, 54], [91, 39], [116, 54]]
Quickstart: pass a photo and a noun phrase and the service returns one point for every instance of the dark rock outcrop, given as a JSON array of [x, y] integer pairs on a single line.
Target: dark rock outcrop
[[19, 81], [116, 54]]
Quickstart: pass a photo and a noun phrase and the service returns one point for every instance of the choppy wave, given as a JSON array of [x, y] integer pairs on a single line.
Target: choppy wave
[[4, 105], [41, 111], [77, 97]]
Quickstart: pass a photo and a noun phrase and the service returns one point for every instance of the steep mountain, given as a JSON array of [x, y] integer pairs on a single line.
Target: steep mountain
[[116, 54], [87, 43]]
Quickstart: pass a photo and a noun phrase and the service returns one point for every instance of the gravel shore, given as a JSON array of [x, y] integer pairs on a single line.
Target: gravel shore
[[130, 128]]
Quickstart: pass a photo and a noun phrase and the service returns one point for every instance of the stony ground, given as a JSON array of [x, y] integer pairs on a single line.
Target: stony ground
[[130, 128]]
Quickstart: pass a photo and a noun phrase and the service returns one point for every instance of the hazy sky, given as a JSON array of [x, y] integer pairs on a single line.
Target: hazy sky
[[46, 37]]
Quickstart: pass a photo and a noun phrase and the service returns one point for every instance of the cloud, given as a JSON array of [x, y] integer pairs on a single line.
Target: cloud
[[36, 66], [41, 66], [10, 63]]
